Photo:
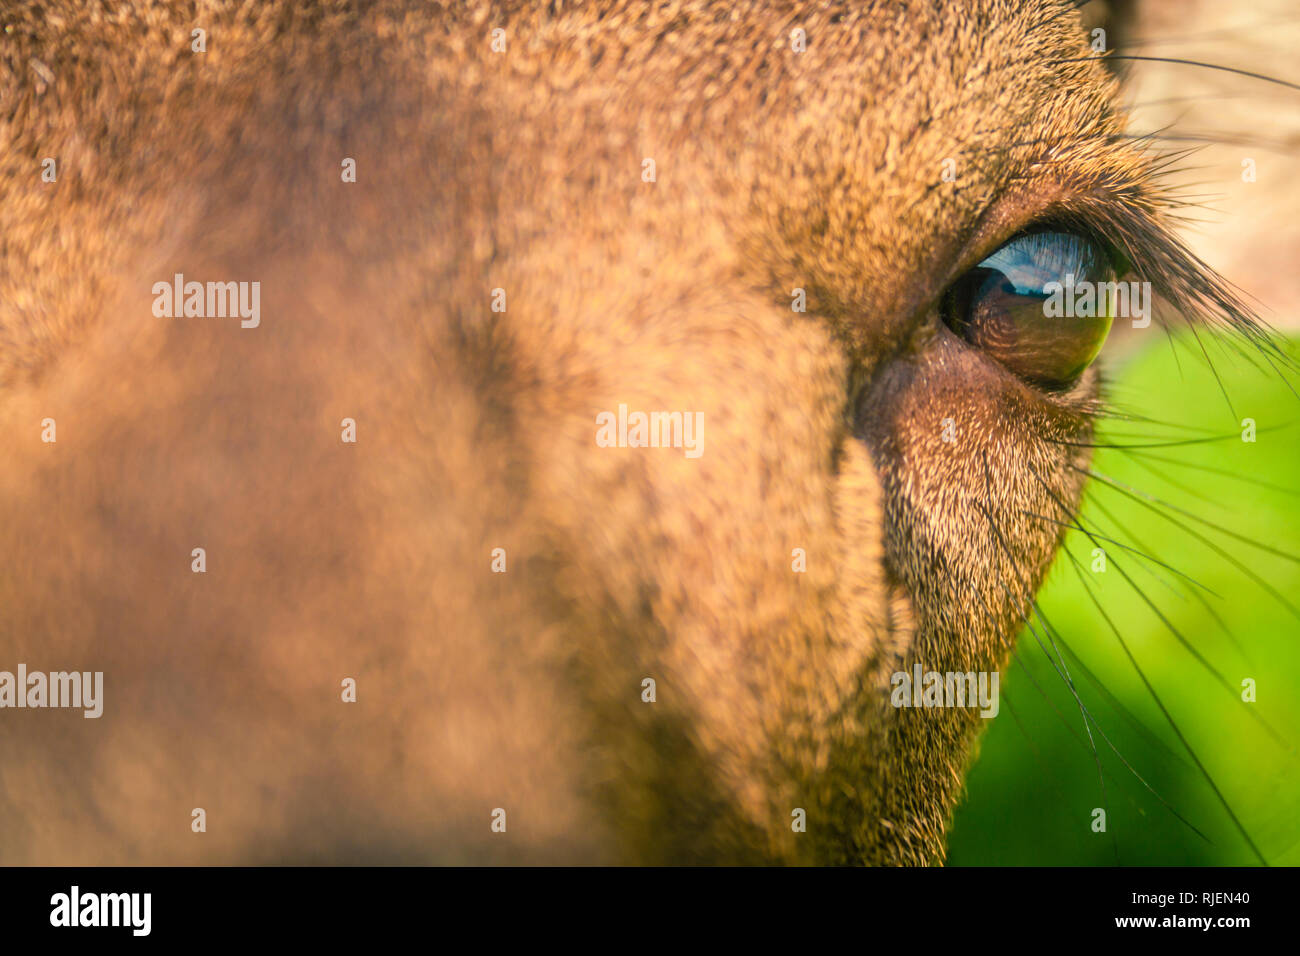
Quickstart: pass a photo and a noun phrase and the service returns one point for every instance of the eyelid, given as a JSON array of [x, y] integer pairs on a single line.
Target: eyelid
[[1119, 225], [1010, 214]]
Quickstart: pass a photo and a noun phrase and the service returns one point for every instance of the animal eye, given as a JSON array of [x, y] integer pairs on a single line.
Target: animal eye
[[1041, 305]]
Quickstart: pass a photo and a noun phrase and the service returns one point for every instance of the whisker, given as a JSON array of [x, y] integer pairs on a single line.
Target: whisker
[[1214, 671], [1200, 599], [1117, 412], [1213, 371], [1063, 671], [1078, 570], [1199, 98], [1130, 718], [1174, 483], [1235, 436], [1285, 382], [1206, 66], [1169, 625], [1142, 675], [1142, 495], [1205, 34], [1219, 139], [1197, 466], [1135, 551], [1091, 721], [1009, 644]]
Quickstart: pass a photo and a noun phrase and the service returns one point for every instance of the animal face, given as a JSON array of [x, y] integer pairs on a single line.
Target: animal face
[[808, 246]]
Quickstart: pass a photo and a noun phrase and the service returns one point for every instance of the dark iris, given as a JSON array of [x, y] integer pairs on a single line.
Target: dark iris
[[1039, 306]]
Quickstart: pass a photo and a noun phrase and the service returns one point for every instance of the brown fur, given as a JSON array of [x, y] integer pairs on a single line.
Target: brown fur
[[520, 170]]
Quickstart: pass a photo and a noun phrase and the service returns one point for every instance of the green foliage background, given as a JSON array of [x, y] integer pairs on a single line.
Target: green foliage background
[[1033, 788]]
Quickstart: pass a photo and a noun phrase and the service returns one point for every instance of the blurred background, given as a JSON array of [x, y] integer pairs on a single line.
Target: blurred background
[[1213, 597]]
